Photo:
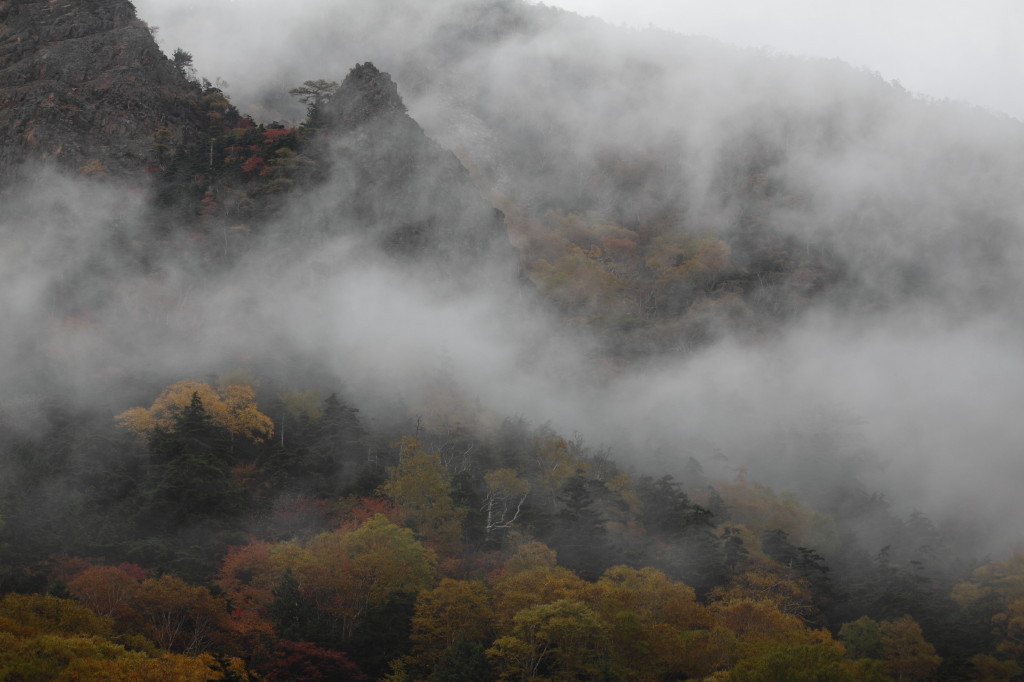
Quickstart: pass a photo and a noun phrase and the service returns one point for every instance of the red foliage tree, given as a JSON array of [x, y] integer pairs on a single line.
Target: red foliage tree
[[305, 662], [254, 164], [272, 134]]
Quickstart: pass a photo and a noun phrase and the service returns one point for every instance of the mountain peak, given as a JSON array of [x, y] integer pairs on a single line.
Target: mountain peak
[[365, 93]]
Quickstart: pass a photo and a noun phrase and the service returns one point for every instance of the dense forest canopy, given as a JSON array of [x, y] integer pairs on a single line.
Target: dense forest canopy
[[477, 340]]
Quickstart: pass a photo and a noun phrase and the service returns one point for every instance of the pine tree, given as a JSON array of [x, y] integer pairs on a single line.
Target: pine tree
[[579, 534], [291, 614], [189, 478], [464, 661]]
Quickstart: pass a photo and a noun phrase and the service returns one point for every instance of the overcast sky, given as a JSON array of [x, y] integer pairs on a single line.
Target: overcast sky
[[968, 50]]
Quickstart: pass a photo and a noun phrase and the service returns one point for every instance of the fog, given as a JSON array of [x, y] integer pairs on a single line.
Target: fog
[[922, 374], [944, 48]]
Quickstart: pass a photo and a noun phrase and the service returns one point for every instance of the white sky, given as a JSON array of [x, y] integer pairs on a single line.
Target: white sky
[[970, 50]]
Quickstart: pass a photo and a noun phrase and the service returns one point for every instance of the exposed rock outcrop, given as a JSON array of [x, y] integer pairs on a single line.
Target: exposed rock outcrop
[[389, 177], [84, 85]]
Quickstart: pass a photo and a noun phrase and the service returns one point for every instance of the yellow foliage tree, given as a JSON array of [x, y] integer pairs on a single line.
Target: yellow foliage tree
[[453, 608], [650, 594], [820, 661], [656, 627], [766, 580], [998, 588], [231, 407], [524, 554], [755, 627], [421, 493], [347, 571], [29, 615], [48, 638], [908, 656], [532, 586], [565, 638], [555, 465], [506, 492], [759, 508], [995, 670]]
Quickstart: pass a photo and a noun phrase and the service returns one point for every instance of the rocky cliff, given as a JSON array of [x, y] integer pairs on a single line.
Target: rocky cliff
[[84, 85], [389, 177]]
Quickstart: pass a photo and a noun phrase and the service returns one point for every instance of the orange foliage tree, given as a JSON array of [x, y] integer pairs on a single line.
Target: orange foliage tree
[[342, 573]]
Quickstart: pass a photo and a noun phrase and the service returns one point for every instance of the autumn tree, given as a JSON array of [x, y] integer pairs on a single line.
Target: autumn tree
[[908, 656], [453, 609], [818, 662], [503, 502], [307, 662], [37, 614], [656, 627], [563, 639], [862, 638], [751, 628], [324, 589], [107, 590], [47, 638], [766, 580], [532, 585], [994, 669], [232, 408], [994, 595], [554, 464], [422, 495], [249, 573], [761, 509], [201, 466], [347, 572], [189, 480], [179, 617], [650, 594], [259, 580]]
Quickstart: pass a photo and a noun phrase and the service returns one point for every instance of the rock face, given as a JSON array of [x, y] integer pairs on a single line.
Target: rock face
[[84, 85], [366, 93], [390, 178]]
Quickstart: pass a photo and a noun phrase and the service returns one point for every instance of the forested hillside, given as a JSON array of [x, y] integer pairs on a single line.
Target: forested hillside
[[480, 341], [295, 540]]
